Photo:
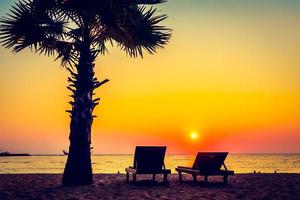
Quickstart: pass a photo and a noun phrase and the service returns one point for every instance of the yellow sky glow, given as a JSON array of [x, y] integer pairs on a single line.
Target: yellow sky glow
[[232, 75]]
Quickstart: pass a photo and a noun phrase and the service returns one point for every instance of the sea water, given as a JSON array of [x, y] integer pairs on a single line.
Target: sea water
[[240, 163]]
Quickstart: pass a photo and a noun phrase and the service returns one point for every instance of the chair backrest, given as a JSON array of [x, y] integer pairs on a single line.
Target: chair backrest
[[209, 161], [149, 159]]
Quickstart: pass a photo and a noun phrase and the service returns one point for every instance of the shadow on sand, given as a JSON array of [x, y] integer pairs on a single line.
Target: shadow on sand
[[205, 184], [150, 183]]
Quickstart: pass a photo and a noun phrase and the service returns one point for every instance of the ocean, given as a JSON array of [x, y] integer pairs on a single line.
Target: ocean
[[240, 163]]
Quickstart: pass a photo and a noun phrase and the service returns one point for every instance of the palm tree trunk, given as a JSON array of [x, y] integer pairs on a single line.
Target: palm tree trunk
[[78, 169]]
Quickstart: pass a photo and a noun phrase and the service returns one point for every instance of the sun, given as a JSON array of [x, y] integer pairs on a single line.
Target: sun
[[194, 135]]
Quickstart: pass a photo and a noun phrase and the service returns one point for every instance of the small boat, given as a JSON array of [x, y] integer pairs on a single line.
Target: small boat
[[7, 154]]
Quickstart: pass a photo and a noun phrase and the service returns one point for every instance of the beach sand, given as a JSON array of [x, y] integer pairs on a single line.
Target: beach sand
[[114, 186]]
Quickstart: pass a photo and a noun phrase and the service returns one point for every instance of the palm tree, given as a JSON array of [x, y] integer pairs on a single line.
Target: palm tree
[[76, 32]]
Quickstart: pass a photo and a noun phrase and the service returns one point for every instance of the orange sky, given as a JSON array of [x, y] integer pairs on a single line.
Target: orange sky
[[230, 73]]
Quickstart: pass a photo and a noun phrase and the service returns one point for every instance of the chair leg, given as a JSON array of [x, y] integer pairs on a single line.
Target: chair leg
[[194, 177], [134, 178], [180, 177], [127, 177], [165, 177], [153, 177], [225, 179], [206, 178]]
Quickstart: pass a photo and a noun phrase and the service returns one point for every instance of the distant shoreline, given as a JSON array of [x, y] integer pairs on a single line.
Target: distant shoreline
[[14, 154], [179, 154]]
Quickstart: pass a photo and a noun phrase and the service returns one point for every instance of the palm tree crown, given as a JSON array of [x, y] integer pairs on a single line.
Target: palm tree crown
[[63, 26]]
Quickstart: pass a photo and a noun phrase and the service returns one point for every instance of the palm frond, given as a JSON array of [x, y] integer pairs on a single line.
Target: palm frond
[[138, 30], [63, 26], [64, 50], [66, 53], [25, 27]]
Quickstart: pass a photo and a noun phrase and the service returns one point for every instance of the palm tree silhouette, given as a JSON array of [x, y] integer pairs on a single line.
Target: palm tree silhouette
[[76, 32]]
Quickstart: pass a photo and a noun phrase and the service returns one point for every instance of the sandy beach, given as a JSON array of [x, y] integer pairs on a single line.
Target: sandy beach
[[114, 186]]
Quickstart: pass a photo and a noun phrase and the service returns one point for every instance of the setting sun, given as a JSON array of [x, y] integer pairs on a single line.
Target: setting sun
[[194, 135]]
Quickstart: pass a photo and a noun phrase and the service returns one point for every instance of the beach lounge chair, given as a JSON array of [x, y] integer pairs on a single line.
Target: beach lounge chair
[[207, 164], [148, 160]]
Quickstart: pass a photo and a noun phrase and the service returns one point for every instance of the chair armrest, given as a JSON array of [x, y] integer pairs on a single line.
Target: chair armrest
[[187, 170], [130, 170], [183, 167]]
